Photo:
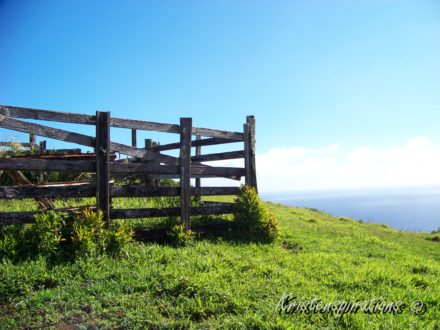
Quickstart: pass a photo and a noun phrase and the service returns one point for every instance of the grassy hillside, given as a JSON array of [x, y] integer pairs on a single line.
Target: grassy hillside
[[216, 283]]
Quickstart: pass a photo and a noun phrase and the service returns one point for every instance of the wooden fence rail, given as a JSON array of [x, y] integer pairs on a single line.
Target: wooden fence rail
[[147, 162]]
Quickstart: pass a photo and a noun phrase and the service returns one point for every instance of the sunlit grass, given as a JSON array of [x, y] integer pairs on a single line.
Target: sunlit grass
[[216, 283]]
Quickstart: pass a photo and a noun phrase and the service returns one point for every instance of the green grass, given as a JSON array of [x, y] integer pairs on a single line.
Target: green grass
[[218, 283]]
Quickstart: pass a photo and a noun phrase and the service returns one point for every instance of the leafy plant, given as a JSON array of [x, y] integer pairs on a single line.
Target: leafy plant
[[253, 221], [88, 233], [179, 236], [118, 237], [44, 236]]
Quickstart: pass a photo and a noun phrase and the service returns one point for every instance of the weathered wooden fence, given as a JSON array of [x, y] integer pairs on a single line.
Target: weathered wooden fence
[[148, 161]]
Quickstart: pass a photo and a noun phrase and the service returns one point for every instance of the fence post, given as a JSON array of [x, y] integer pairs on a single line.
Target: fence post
[[198, 153], [149, 182], [133, 138], [43, 147], [156, 182], [249, 150], [102, 163], [185, 171], [32, 139]]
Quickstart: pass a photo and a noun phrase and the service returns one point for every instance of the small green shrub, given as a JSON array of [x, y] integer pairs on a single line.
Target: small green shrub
[[88, 233], [66, 236], [179, 237], [45, 234], [10, 239], [118, 237], [253, 221]]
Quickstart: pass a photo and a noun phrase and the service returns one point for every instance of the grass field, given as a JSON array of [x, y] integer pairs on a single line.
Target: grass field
[[218, 283]]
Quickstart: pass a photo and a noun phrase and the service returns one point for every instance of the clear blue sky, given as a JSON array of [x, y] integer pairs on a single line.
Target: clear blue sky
[[314, 73]]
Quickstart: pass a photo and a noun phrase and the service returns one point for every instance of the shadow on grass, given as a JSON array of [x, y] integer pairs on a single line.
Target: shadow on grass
[[205, 228]]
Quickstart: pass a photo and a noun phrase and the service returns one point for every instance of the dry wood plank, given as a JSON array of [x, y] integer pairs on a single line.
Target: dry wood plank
[[19, 179], [194, 143], [218, 156], [142, 153], [47, 165], [49, 115], [195, 176], [144, 125], [185, 172], [198, 153], [41, 130], [143, 191], [43, 148], [219, 171], [250, 164], [215, 133], [102, 163], [48, 191], [142, 168], [133, 137]]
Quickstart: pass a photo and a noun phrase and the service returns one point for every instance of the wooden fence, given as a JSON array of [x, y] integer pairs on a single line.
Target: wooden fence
[[148, 161]]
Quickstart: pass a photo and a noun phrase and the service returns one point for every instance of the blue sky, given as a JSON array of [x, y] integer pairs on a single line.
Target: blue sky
[[316, 74]]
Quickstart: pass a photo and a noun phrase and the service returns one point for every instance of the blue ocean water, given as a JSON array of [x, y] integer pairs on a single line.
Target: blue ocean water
[[409, 209]]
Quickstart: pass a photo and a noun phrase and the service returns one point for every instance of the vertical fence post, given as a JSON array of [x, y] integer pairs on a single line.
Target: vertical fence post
[[32, 139], [43, 147], [185, 171], [198, 153], [102, 163], [133, 138], [149, 182], [249, 150], [156, 182]]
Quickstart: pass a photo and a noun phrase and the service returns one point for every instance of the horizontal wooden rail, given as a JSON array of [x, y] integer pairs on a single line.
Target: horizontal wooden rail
[[142, 168], [143, 153], [78, 190], [194, 143], [76, 118], [214, 133], [65, 117], [41, 130], [167, 212], [144, 125], [65, 191], [218, 156], [115, 167], [143, 191], [47, 165]]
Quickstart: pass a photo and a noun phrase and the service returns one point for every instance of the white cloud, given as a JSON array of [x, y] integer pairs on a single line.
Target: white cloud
[[416, 162]]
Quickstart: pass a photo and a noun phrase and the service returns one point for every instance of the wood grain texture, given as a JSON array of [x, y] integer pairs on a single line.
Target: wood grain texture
[[40, 130], [102, 163], [47, 165], [185, 172], [49, 115]]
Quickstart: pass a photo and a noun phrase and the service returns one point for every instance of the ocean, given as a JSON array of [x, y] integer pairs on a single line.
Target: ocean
[[409, 209]]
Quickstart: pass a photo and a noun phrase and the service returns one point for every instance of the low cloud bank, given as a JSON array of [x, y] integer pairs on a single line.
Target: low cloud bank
[[416, 162]]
